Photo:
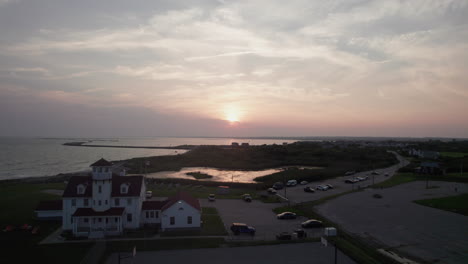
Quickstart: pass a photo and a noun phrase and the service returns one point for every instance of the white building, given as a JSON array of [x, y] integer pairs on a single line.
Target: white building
[[105, 204]]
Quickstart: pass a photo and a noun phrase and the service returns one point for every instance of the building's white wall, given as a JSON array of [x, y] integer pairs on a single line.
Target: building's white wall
[[68, 211], [180, 210], [102, 197], [102, 173]]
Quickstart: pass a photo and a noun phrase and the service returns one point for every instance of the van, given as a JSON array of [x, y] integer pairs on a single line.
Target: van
[[291, 183], [149, 194]]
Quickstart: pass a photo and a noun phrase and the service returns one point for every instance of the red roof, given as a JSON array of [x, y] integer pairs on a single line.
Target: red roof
[[134, 186], [153, 205], [73, 182], [101, 163], [52, 205], [182, 196], [113, 211]]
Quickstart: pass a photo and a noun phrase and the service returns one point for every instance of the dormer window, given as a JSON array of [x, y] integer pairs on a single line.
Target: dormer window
[[124, 188], [80, 189]]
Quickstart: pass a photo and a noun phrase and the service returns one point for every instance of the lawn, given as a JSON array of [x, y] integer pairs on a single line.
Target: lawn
[[199, 191], [457, 204], [17, 204], [398, 179], [453, 154]]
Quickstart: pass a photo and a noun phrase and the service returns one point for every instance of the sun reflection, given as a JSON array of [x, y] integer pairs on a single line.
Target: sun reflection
[[232, 115]]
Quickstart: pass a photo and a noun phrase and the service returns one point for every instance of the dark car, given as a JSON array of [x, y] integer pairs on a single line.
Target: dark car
[[238, 228], [284, 236], [278, 186], [312, 223], [309, 189], [286, 215], [271, 191], [300, 233], [329, 186]]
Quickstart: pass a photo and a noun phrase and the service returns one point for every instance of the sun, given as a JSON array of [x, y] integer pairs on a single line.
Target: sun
[[232, 115]]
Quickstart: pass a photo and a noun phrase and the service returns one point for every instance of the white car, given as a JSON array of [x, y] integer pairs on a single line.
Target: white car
[[304, 182], [322, 187], [291, 183]]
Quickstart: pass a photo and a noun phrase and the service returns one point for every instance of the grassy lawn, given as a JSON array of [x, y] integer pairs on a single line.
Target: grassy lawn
[[453, 154], [17, 204], [457, 204], [200, 191], [398, 179]]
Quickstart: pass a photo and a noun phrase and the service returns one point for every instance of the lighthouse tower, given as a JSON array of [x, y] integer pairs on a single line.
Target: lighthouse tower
[[102, 185]]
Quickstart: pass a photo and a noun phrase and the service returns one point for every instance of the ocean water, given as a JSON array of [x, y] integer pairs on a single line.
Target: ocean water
[[35, 157]]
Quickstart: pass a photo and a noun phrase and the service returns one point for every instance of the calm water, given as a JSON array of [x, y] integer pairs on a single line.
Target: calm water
[[33, 157]]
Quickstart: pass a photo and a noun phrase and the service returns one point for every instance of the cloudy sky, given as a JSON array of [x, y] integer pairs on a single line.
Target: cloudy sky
[[234, 68]]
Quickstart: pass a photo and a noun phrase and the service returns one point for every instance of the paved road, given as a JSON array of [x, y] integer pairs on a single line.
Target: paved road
[[288, 253], [296, 194], [431, 234]]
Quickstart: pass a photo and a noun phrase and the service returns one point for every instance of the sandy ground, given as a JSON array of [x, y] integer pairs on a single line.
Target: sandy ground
[[427, 233], [289, 253]]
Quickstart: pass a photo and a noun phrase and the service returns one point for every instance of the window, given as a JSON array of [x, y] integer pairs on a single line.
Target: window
[[157, 214], [189, 220], [73, 202], [107, 220], [152, 214], [72, 220], [86, 202], [129, 217], [116, 219], [117, 202], [106, 202], [86, 220], [99, 202], [172, 220], [106, 169], [80, 189], [100, 169], [99, 219], [129, 201], [124, 188], [100, 189]]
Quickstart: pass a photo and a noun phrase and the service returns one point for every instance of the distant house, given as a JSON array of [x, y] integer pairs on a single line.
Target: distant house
[[430, 168], [234, 144], [424, 154], [105, 204], [245, 144], [49, 210]]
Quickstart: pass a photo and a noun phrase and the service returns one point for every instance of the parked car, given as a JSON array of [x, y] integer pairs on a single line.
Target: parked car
[[246, 197], [348, 173], [375, 173], [286, 215], [238, 228], [271, 191], [211, 197], [278, 186], [149, 194], [312, 223], [300, 233], [309, 189], [386, 175], [351, 181], [329, 186], [304, 182], [284, 236], [321, 187], [291, 183]]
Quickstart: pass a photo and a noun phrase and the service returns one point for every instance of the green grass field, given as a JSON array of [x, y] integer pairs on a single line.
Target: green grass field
[[457, 204], [17, 204], [453, 154]]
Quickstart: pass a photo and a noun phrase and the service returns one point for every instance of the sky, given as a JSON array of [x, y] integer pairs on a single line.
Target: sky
[[234, 68]]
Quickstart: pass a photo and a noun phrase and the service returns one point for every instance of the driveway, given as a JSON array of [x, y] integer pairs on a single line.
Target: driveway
[[288, 253], [430, 234], [259, 215]]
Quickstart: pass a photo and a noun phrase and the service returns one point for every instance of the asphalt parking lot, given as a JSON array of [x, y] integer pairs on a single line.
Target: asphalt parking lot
[[301, 253], [431, 234], [259, 215]]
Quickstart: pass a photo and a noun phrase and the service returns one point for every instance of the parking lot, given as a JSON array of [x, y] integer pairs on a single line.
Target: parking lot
[[259, 215], [395, 221]]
